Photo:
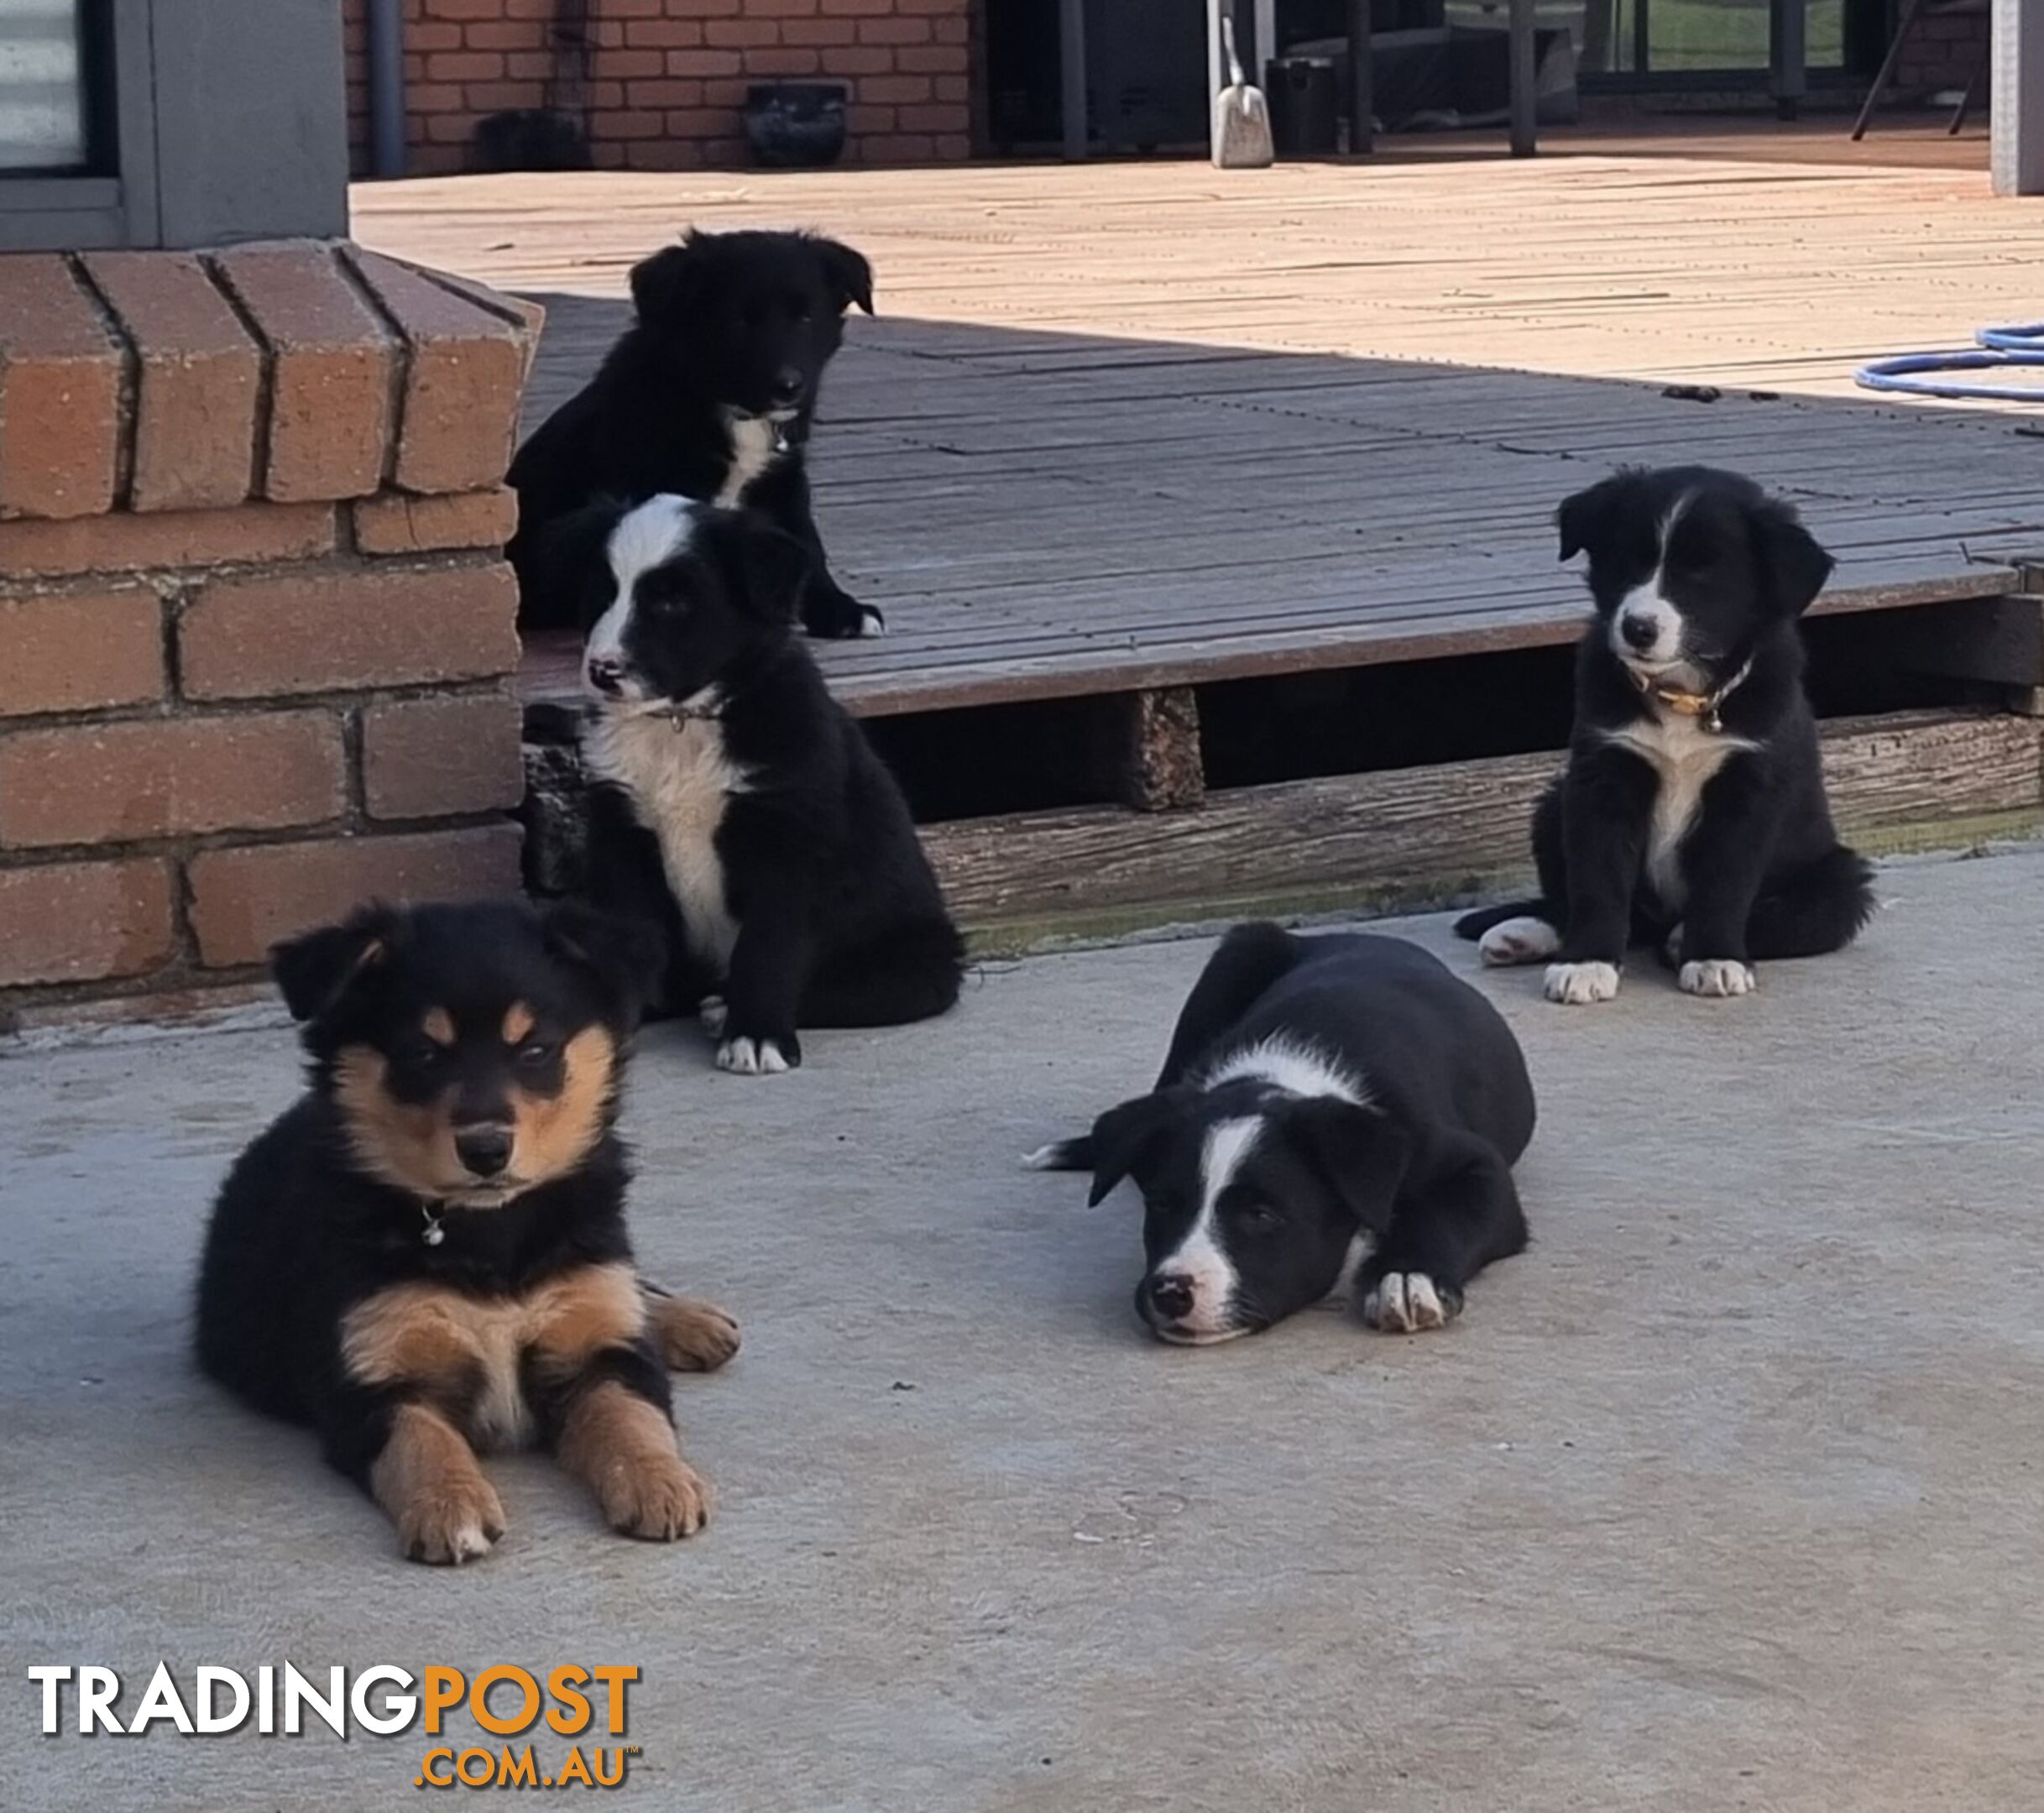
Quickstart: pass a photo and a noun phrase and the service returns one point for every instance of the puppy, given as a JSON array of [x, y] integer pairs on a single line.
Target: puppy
[[426, 1255], [710, 395], [1333, 1113], [1691, 814], [735, 803]]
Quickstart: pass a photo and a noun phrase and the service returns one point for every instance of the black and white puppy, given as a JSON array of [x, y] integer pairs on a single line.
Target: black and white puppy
[[711, 394], [735, 803], [1335, 1113], [1691, 815]]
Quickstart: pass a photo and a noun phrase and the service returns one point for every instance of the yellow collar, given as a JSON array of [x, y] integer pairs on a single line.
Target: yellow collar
[[1707, 706]]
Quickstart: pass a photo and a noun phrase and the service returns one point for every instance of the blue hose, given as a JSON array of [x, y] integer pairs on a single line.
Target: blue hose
[[2000, 347]]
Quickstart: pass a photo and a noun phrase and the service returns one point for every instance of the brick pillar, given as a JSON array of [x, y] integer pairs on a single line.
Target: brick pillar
[[256, 629]]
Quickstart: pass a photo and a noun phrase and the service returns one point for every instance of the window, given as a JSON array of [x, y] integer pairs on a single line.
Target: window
[[44, 112]]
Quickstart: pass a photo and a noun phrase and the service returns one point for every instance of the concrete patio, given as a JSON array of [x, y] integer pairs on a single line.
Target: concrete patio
[[1726, 1495]]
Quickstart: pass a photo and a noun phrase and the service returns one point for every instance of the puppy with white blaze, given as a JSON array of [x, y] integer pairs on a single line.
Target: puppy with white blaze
[[1692, 815], [1337, 1115], [733, 802]]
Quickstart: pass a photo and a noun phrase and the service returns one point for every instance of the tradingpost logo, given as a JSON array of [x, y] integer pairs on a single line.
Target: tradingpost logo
[[554, 1722]]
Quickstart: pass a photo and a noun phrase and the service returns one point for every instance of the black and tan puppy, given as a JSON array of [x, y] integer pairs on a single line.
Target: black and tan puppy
[[426, 1255], [1691, 815], [711, 394]]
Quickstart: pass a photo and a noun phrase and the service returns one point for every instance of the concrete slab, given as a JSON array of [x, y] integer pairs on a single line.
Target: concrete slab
[[1726, 1495]]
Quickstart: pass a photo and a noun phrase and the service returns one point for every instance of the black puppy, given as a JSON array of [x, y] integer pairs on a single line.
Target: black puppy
[[427, 1256], [1334, 1112], [736, 803], [711, 394], [1691, 814]]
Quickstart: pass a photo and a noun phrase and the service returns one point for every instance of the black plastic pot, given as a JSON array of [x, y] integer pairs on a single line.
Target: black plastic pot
[[795, 125], [1304, 107]]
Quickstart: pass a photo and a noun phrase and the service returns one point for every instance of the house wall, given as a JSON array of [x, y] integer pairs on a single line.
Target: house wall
[[666, 78]]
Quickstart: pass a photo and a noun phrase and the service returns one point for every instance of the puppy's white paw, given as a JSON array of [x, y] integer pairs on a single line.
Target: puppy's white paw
[[713, 1012], [747, 1057], [870, 622], [1574, 985], [1523, 940], [1404, 1303], [1717, 976]]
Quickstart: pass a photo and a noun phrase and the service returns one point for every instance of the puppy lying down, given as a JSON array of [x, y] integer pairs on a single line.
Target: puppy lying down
[[1336, 1114]]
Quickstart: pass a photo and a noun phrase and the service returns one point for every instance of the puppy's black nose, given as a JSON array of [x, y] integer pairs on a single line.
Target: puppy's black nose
[[484, 1150], [1639, 631], [1171, 1295], [788, 385], [607, 674]]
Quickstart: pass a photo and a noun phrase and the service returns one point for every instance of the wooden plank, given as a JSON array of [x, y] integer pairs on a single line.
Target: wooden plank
[[1420, 832]]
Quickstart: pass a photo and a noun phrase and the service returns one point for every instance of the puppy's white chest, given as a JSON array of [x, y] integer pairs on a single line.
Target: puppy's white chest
[[681, 782], [1684, 756], [755, 445]]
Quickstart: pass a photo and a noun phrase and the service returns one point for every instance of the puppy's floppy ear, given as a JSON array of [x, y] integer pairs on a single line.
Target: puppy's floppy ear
[[1125, 1138], [627, 955], [773, 567], [848, 273], [316, 970], [1792, 562], [1587, 519], [1360, 1151], [664, 287]]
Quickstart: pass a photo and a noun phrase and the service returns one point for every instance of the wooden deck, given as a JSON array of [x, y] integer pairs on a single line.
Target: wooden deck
[[1124, 434], [1142, 425]]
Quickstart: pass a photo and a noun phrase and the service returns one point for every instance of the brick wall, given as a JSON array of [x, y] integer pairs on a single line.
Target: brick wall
[[666, 78], [1946, 51], [255, 625]]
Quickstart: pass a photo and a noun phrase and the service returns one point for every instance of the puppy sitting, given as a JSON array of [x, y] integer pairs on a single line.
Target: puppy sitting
[[1334, 1112], [736, 803], [426, 1255], [1691, 814], [711, 394]]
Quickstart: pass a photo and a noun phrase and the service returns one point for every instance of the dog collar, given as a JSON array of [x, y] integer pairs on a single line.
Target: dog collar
[[682, 716], [1707, 706]]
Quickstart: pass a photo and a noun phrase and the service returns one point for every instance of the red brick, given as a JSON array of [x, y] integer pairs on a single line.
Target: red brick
[[667, 155], [666, 34], [819, 31], [80, 651], [894, 89], [857, 59], [433, 97], [119, 783], [423, 35], [332, 373], [949, 9], [464, 65], [898, 149], [84, 922], [863, 8], [433, 757], [782, 61], [244, 901], [316, 633], [626, 125], [781, 8], [461, 380], [934, 117], [958, 88], [951, 147], [197, 377], [528, 65], [127, 543], [619, 65], [705, 63], [503, 96], [894, 31], [741, 33], [463, 10], [504, 34], [863, 122], [664, 92], [394, 522], [60, 393], [449, 134], [931, 60]]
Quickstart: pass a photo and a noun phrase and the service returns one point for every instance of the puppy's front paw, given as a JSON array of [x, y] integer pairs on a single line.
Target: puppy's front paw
[[837, 616], [712, 1013], [870, 622], [1404, 1303], [449, 1521], [745, 1056], [1574, 985], [1717, 976], [1523, 940], [694, 1336], [655, 1497]]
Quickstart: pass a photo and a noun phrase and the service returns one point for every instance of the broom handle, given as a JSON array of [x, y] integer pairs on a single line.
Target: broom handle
[[1227, 38]]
